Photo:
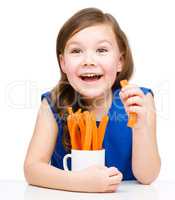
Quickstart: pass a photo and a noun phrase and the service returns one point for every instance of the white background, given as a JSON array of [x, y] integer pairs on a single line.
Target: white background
[[28, 31]]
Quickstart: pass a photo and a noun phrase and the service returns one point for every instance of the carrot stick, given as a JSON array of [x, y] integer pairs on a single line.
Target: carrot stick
[[94, 133], [132, 115], [82, 127], [69, 109], [78, 111], [88, 134], [77, 136], [101, 130], [132, 119], [79, 126], [70, 125], [123, 83], [74, 132]]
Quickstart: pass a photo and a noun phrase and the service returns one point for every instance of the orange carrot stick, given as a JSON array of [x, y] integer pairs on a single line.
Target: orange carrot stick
[[69, 109], [88, 135], [77, 136], [70, 125], [132, 115], [132, 119], [94, 133], [74, 132], [101, 130], [78, 111], [81, 125], [123, 83]]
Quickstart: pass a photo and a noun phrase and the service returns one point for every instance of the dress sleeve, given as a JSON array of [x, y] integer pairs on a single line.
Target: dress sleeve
[[147, 90], [47, 96]]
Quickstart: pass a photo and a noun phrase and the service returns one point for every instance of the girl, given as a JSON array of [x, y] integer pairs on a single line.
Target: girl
[[94, 55]]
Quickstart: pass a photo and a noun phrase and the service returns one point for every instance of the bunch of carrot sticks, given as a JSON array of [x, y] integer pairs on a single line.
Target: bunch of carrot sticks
[[83, 130]]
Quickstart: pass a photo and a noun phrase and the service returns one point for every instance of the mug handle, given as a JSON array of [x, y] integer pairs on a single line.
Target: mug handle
[[65, 161]]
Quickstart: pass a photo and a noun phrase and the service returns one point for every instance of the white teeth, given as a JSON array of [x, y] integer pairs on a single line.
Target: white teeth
[[90, 75]]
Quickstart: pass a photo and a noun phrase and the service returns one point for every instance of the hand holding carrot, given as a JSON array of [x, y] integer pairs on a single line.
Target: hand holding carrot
[[132, 115], [135, 104]]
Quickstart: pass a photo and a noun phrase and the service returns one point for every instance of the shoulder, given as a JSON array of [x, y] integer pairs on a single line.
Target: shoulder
[[147, 91], [47, 100], [149, 96], [45, 113], [46, 96]]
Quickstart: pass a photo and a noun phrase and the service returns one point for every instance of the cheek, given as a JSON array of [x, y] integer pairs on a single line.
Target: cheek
[[72, 63], [111, 73], [71, 72], [110, 69], [70, 66]]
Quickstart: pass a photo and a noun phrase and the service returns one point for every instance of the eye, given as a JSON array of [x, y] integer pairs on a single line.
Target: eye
[[75, 51], [102, 50]]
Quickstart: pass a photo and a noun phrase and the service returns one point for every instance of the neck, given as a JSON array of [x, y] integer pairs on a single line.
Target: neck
[[100, 105]]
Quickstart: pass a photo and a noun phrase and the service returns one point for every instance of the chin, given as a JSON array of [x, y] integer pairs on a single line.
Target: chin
[[92, 94]]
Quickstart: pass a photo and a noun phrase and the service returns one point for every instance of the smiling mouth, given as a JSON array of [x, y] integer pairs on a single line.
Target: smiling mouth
[[90, 77]]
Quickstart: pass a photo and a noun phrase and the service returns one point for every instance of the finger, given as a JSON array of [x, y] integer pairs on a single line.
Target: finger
[[116, 179], [135, 109], [121, 96], [132, 92], [112, 171], [128, 86], [137, 100]]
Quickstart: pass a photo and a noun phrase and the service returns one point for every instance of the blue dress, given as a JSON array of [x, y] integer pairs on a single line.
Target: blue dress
[[117, 140]]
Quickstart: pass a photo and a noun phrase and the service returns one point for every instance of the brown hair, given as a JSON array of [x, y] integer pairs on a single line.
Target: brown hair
[[63, 95]]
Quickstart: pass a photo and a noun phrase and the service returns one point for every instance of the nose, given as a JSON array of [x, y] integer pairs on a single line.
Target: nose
[[88, 59]]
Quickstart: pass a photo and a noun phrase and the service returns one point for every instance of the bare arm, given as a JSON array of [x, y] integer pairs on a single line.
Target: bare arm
[[145, 156], [36, 166], [38, 172]]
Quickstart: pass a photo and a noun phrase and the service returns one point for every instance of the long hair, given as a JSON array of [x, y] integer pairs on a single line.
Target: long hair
[[63, 94]]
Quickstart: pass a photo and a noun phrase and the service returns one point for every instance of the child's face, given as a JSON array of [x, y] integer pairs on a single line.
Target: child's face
[[91, 60]]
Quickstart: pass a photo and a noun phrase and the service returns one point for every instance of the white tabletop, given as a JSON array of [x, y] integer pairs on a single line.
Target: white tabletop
[[131, 190]]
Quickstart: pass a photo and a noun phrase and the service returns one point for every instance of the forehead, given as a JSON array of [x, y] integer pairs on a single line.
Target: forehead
[[96, 33]]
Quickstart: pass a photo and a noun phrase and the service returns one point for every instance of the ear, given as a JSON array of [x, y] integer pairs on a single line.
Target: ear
[[62, 63], [120, 63]]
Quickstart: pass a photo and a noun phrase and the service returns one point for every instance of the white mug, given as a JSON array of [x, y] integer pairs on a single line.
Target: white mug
[[82, 159]]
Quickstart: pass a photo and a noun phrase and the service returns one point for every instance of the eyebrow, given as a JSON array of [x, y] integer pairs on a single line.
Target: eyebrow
[[107, 41], [78, 43], [72, 43]]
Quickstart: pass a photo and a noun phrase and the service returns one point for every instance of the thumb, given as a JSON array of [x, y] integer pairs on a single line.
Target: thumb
[[112, 171]]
